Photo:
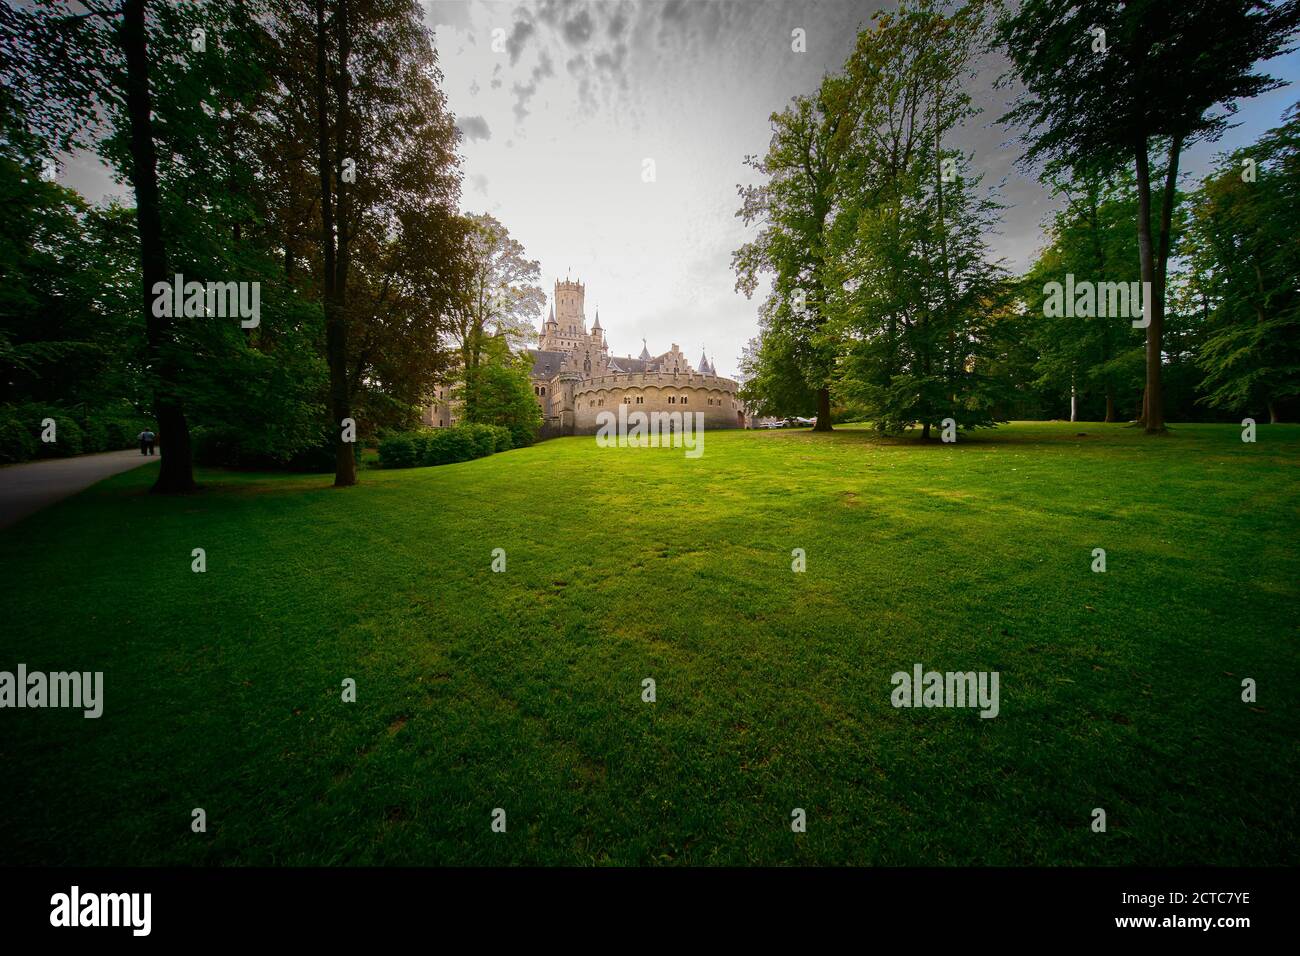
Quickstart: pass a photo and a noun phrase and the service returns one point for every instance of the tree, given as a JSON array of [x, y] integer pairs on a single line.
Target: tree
[[1107, 81], [773, 383], [500, 297], [794, 205], [386, 166], [1245, 274], [914, 288], [69, 64], [1092, 239], [504, 391]]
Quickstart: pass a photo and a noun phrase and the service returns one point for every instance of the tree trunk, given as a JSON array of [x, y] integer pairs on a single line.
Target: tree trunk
[[1110, 404], [823, 410], [925, 432], [336, 340], [1272, 413], [176, 470], [1074, 402], [1151, 411], [1154, 266]]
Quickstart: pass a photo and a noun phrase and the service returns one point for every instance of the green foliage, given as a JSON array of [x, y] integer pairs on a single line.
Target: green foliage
[[443, 446], [67, 434], [1246, 276], [16, 441], [1099, 357], [398, 451], [504, 391]]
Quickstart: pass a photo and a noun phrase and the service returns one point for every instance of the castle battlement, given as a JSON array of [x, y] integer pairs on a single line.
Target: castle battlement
[[655, 380]]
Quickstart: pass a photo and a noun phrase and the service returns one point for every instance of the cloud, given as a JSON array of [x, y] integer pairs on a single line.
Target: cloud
[[522, 95], [617, 23], [519, 34], [474, 127], [578, 29], [544, 67]]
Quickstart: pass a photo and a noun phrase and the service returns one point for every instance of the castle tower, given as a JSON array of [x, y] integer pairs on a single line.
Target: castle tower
[[569, 308]]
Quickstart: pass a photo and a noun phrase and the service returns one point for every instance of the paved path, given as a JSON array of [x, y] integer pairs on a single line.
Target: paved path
[[33, 485]]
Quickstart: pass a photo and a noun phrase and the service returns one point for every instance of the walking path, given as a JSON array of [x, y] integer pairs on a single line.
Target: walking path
[[34, 485]]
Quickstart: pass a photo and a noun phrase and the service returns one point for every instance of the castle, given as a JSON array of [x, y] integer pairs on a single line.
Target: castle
[[575, 378]]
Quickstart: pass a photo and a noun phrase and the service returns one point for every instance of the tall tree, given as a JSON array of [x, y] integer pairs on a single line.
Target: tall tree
[[794, 205], [385, 167], [1245, 274], [914, 284], [500, 297], [1106, 82], [1092, 239], [80, 60]]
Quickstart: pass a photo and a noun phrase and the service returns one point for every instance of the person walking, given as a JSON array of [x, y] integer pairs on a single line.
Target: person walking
[[147, 439]]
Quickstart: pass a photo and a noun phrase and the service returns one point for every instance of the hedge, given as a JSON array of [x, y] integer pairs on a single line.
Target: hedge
[[443, 446]]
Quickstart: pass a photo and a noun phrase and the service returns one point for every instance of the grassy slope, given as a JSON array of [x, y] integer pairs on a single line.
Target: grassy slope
[[522, 690]]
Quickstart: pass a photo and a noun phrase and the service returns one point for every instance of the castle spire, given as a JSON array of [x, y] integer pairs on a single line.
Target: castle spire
[[597, 325], [645, 352]]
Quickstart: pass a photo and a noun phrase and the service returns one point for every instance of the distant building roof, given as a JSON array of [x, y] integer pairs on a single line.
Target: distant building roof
[[546, 364]]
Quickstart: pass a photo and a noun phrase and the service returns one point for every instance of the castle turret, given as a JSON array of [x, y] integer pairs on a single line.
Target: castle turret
[[569, 310]]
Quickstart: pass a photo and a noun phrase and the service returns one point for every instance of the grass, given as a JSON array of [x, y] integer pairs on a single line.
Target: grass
[[522, 690]]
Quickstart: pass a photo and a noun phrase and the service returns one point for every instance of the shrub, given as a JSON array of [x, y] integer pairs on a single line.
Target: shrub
[[121, 434], [94, 436], [398, 451], [504, 440], [482, 439], [67, 437], [16, 443], [522, 434], [448, 446], [443, 446]]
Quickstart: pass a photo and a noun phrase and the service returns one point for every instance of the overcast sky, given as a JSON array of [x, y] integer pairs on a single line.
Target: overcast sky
[[559, 119]]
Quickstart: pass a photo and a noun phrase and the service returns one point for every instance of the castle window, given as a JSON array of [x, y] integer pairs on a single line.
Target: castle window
[[543, 389], [627, 401], [640, 400], [684, 398], [672, 399]]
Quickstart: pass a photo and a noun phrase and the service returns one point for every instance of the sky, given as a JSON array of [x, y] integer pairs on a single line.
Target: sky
[[561, 103], [561, 112]]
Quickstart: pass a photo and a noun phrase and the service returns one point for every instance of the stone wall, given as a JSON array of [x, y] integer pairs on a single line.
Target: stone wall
[[651, 392]]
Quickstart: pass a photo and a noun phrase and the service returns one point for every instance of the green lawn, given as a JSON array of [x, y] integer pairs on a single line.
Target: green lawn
[[522, 690]]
